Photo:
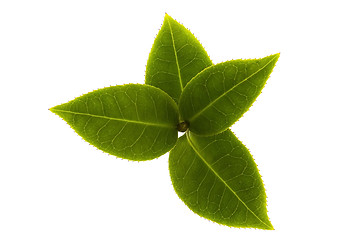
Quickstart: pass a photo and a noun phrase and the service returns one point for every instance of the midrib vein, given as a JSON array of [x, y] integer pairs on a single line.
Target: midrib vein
[[229, 90], [176, 56], [115, 119], [220, 178]]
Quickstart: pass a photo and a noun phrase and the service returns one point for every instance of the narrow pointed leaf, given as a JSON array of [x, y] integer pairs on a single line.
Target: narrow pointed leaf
[[217, 178], [176, 57], [219, 95], [136, 122]]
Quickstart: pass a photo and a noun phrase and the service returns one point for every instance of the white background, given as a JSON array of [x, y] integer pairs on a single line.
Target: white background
[[303, 130]]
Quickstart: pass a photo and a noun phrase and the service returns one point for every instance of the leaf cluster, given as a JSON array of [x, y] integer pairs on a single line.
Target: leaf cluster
[[211, 170]]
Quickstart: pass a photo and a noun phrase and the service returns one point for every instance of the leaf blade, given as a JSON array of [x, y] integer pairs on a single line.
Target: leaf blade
[[175, 58], [136, 122], [216, 177], [219, 95]]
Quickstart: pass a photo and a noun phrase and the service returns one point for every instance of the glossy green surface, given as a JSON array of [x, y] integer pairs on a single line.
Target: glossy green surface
[[176, 57], [217, 178], [136, 122], [218, 96]]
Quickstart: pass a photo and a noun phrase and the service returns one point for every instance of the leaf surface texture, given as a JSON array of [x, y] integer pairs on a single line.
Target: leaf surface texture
[[176, 57], [217, 178], [219, 95], [136, 122]]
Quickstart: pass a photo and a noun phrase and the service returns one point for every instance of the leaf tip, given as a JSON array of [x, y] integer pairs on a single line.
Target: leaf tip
[[166, 16], [270, 226], [276, 56], [52, 109], [56, 109]]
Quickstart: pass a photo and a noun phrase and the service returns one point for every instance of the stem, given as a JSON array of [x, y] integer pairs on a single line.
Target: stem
[[182, 126]]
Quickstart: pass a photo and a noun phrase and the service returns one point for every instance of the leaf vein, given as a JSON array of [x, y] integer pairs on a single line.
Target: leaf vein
[[221, 179], [229, 90], [117, 119], [176, 55]]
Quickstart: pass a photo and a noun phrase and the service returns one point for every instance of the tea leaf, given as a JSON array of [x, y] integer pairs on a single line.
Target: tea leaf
[[176, 57], [136, 122], [211, 170], [217, 178], [219, 95]]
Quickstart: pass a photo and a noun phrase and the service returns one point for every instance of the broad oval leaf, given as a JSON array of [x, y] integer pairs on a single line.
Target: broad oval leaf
[[219, 95], [136, 122], [176, 57], [217, 178]]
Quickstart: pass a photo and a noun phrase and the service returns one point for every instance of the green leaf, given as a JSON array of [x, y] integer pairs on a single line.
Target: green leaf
[[176, 57], [219, 95], [136, 122], [217, 178]]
